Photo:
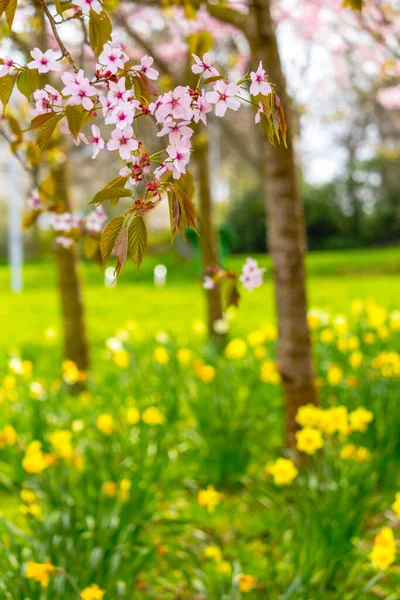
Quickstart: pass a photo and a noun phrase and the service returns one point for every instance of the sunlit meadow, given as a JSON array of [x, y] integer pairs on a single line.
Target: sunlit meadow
[[165, 477]]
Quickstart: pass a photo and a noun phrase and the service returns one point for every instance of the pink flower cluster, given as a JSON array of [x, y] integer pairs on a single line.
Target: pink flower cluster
[[252, 275], [66, 222], [113, 93]]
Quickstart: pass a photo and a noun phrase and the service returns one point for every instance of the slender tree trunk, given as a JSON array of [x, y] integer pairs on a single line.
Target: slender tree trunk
[[286, 236], [208, 238], [75, 342]]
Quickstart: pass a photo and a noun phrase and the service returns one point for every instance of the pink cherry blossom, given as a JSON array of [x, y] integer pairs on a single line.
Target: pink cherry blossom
[[79, 90], [252, 275], [64, 241], [97, 141], [112, 58], [146, 68], [176, 104], [86, 5], [122, 115], [44, 62], [259, 84], [34, 201], [118, 93], [47, 100], [95, 220], [123, 141], [204, 65], [176, 130], [201, 109], [7, 68], [223, 96], [180, 155], [208, 283], [257, 116]]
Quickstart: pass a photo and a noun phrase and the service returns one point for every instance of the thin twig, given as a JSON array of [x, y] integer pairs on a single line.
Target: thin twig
[[60, 43]]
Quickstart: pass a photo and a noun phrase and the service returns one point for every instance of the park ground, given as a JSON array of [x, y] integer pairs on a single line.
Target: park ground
[[167, 477]]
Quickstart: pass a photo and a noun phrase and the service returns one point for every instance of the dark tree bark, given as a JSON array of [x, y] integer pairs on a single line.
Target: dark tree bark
[[75, 341], [208, 237], [286, 234]]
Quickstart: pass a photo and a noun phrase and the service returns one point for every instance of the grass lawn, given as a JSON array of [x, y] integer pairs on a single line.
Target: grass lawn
[[335, 279]]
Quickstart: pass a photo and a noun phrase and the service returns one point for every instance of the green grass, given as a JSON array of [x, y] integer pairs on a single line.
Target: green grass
[[335, 279]]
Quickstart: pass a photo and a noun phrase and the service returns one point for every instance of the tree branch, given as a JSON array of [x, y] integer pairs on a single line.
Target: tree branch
[[60, 43]]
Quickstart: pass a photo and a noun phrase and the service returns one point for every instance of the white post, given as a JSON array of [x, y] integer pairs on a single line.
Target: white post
[[15, 244]]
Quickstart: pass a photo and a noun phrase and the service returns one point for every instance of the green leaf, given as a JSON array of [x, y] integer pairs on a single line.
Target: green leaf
[[60, 8], [118, 181], [46, 130], [75, 117], [11, 7], [121, 250], [39, 120], [28, 82], [137, 240], [174, 212], [188, 210], [3, 4], [111, 193], [90, 247], [232, 294], [109, 236], [6, 87], [100, 29]]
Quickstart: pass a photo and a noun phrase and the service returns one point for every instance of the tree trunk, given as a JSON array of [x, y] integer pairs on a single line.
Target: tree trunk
[[208, 238], [286, 235], [75, 342]]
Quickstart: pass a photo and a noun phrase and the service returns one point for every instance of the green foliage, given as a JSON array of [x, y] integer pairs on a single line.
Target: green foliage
[[6, 87], [137, 240], [100, 29], [126, 501], [28, 82]]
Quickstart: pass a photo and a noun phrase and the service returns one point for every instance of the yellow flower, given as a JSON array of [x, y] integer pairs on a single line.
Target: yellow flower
[[121, 359], [309, 440], [394, 322], [310, 415], [9, 382], [124, 488], [92, 593], [40, 572], [260, 352], [31, 510], [209, 498], [34, 460], [236, 349], [223, 567], [71, 373], [337, 420], [61, 442], [327, 336], [348, 451], [246, 582], [383, 553], [28, 496], [256, 338], [8, 436], [184, 356], [357, 306], [360, 418], [213, 552], [355, 359], [269, 372], [133, 415], [396, 505], [105, 423], [205, 372], [335, 375], [362, 454], [283, 471], [109, 488], [369, 338], [152, 416], [161, 355]]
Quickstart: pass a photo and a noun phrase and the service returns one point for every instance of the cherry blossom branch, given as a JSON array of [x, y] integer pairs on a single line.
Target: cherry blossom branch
[[60, 43]]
